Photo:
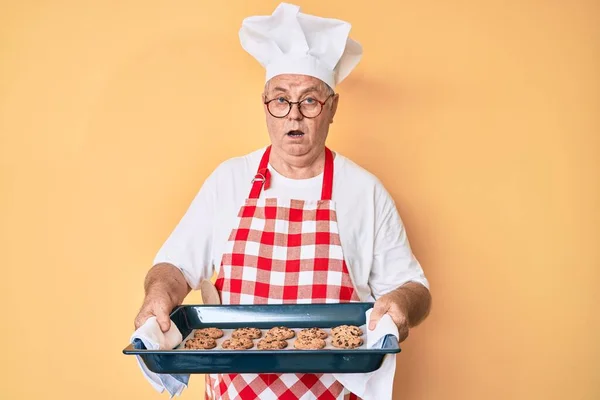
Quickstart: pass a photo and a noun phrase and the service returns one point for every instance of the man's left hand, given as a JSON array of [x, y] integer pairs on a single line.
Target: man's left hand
[[392, 303]]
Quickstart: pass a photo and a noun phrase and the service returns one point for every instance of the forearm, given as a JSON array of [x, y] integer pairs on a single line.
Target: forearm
[[166, 279], [415, 300]]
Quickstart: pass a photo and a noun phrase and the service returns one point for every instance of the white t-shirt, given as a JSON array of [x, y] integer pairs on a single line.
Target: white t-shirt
[[374, 241]]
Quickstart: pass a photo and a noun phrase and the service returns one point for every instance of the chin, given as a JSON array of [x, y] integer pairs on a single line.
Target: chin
[[297, 149]]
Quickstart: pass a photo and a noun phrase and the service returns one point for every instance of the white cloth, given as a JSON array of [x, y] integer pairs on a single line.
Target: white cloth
[[291, 42], [374, 241], [155, 339], [379, 384]]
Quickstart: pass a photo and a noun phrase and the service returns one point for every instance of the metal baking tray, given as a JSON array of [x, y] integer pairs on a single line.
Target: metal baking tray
[[290, 360]]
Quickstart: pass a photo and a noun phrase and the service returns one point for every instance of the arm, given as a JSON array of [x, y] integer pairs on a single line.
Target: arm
[[183, 260], [165, 288], [397, 280]]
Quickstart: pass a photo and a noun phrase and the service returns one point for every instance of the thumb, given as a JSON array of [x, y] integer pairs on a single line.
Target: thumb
[[163, 320], [379, 310]]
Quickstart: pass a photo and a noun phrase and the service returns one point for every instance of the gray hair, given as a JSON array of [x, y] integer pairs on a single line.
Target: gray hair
[[322, 87]]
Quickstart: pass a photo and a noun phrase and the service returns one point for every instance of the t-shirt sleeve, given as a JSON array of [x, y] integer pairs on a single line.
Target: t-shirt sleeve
[[394, 263], [189, 246]]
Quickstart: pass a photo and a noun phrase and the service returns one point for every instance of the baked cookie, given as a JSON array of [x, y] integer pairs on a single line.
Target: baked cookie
[[310, 333], [309, 344], [241, 343], [281, 333], [346, 341], [201, 343], [347, 329], [250, 333], [271, 343], [214, 333]]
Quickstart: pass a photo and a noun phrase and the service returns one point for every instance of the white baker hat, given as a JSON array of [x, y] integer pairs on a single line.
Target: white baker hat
[[290, 42]]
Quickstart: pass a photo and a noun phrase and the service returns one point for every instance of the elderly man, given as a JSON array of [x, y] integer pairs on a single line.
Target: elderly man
[[293, 222]]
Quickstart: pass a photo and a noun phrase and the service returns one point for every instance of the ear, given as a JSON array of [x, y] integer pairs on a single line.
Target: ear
[[334, 104], [263, 99]]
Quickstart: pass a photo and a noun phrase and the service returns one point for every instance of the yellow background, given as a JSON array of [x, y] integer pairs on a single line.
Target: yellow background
[[480, 117]]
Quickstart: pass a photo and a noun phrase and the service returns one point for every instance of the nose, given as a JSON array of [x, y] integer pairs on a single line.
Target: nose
[[295, 112]]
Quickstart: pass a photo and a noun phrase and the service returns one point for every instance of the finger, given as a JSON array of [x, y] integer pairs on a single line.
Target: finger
[[379, 309], [163, 319]]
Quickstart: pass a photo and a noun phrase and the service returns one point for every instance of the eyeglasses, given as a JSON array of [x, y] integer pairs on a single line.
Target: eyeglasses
[[310, 107]]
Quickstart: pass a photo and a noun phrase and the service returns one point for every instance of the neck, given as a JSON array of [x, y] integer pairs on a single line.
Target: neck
[[298, 167]]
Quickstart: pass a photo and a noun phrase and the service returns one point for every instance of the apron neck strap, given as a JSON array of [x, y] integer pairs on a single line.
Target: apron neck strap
[[263, 176], [327, 176]]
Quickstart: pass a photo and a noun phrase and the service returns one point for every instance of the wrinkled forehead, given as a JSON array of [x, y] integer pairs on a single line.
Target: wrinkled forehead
[[296, 84]]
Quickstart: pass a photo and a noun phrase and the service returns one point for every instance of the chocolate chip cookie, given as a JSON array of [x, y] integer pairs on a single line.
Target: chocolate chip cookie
[[281, 333], [309, 344], [250, 333], [242, 343], [347, 329], [310, 333], [201, 343], [214, 333], [271, 343], [346, 341]]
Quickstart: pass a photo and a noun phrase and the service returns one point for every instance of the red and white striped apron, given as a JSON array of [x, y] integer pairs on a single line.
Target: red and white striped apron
[[283, 251]]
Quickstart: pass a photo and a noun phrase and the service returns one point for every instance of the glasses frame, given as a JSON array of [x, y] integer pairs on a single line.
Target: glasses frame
[[291, 104]]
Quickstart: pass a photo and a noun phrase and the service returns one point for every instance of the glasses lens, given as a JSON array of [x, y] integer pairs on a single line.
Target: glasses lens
[[279, 107], [310, 108]]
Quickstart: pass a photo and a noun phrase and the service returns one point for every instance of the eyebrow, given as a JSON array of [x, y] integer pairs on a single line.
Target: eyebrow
[[309, 89]]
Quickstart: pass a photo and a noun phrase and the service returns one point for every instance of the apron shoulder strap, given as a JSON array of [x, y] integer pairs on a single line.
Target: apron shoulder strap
[[327, 176], [262, 176]]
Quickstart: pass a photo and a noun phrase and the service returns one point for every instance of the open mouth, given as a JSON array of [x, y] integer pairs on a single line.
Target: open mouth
[[295, 134]]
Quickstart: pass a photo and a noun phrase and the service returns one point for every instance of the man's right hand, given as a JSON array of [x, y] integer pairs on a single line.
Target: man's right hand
[[158, 305], [165, 288]]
